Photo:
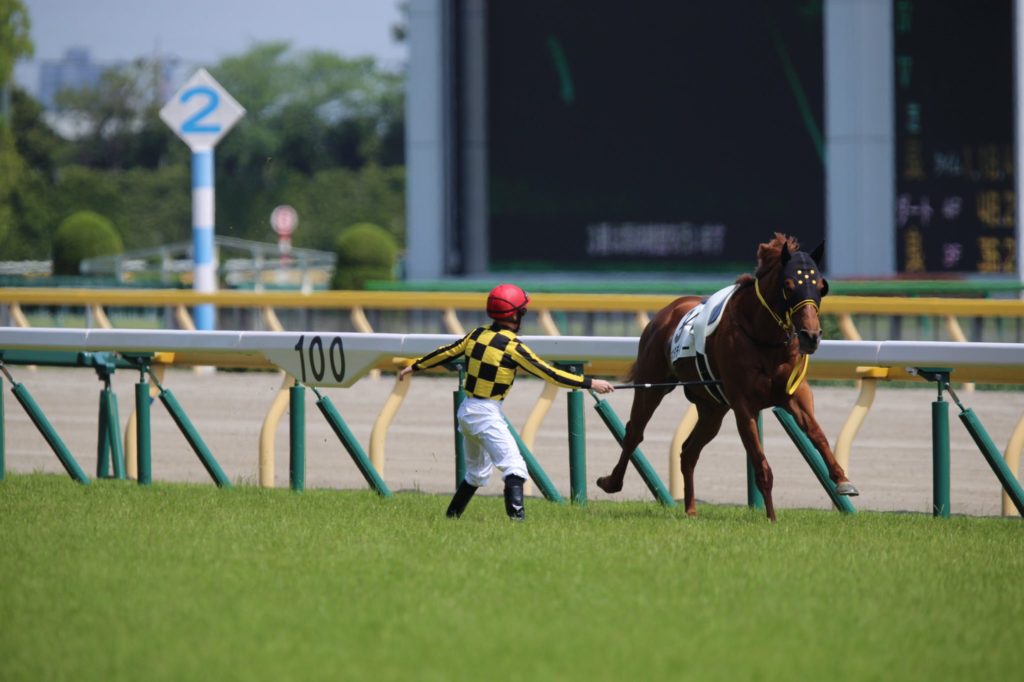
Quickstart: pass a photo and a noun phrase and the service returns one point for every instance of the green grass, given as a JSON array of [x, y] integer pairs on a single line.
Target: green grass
[[187, 582]]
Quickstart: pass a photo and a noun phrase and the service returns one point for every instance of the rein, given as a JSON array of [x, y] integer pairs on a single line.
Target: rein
[[800, 368]]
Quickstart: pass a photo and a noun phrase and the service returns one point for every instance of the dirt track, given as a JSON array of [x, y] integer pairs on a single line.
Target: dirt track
[[891, 460]]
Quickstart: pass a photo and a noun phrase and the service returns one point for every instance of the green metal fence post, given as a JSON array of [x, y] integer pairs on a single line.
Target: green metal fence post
[[49, 433], [102, 440], [995, 459], [643, 467], [940, 457], [192, 436], [577, 442], [534, 468], [143, 440], [341, 430], [813, 458], [297, 437], [2, 434], [108, 441], [755, 500], [940, 439], [458, 397], [114, 436]]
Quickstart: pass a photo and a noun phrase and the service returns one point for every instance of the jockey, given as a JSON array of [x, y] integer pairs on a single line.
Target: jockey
[[494, 353]]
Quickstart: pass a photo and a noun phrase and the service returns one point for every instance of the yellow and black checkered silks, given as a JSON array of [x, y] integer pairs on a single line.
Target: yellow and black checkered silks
[[493, 354]]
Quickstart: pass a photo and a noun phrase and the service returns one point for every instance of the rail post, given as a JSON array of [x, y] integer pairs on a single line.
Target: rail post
[[143, 439], [458, 397], [2, 435], [297, 437], [46, 429], [344, 434], [577, 440], [755, 500], [995, 460], [940, 438], [193, 437], [102, 449], [108, 442], [114, 437], [1011, 486]]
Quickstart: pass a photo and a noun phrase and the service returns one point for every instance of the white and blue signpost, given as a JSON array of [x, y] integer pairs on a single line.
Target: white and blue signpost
[[201, 113]]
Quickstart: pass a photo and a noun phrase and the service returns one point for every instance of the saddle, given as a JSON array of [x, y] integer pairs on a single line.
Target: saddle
[[690, 337]]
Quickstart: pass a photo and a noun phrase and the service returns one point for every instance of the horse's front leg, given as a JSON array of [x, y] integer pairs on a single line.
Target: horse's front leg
[[645, 401], [801, 406], [746, 424]]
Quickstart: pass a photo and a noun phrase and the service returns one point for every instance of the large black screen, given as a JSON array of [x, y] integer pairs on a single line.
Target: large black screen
[[651, 134], [955, 194]]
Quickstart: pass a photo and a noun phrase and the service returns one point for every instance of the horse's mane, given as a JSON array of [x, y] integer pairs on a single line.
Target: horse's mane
[[768, 256]]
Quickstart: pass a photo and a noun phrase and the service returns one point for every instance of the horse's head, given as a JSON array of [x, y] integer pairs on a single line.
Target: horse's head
[[803, 287]]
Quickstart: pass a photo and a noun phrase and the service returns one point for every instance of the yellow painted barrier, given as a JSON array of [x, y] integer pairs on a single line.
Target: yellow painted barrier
[[100, 317], [424, 300], [379, 433], [1012, 457], [868, 385], [18, 316], [268, 431]]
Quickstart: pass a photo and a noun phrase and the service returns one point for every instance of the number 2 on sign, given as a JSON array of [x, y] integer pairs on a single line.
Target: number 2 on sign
[[194, 124], [319, 360]]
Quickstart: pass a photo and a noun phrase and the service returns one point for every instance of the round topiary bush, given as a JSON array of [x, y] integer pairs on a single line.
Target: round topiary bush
[[83, 234], [365, 251]]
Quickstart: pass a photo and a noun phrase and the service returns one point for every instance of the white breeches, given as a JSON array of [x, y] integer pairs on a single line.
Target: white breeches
[[488, 441]]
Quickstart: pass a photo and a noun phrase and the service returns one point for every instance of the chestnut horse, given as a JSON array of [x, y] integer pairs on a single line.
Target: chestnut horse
[[759, 354]]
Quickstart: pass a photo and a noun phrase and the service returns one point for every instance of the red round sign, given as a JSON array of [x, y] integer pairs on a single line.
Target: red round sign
[[284, 219]]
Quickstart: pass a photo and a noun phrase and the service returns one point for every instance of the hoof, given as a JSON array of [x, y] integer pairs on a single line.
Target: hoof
[[847, 488], [605, 484]]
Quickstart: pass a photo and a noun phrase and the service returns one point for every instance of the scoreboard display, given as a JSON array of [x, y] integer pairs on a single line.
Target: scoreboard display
[[955, 185], [652, 135]]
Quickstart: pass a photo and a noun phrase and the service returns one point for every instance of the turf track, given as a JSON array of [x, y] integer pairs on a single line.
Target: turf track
[[178, 582]]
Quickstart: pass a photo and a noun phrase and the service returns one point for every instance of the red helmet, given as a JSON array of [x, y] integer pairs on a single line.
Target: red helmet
[[506, 302]]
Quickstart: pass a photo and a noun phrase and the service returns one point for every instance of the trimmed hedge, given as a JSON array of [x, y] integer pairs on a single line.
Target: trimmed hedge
[[83, 234], [365, 252]]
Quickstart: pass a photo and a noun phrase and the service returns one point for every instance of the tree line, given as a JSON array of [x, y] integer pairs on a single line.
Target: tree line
[[321, 132]]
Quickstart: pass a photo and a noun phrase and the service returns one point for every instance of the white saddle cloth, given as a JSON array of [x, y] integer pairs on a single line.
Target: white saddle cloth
[[698, 324]]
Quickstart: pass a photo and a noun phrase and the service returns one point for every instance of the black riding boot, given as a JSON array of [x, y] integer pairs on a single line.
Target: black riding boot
[[514, 497], [462, 496]]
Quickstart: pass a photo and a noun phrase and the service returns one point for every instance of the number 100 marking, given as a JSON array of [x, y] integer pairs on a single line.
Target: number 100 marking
[[317, 362]]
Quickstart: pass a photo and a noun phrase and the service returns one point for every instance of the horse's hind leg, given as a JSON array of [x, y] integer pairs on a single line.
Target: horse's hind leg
[[709, 421], [645, 402]]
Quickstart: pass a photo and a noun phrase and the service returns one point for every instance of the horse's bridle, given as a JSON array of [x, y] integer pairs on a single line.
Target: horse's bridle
[[802, 269]]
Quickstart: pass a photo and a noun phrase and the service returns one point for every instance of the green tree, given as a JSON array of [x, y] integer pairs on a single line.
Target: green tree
[[14, 44], [120, 118], [321, 132], [311, 110], [30, 199]]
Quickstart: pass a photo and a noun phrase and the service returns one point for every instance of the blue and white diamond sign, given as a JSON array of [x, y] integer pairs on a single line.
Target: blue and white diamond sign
[[201, 112]]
